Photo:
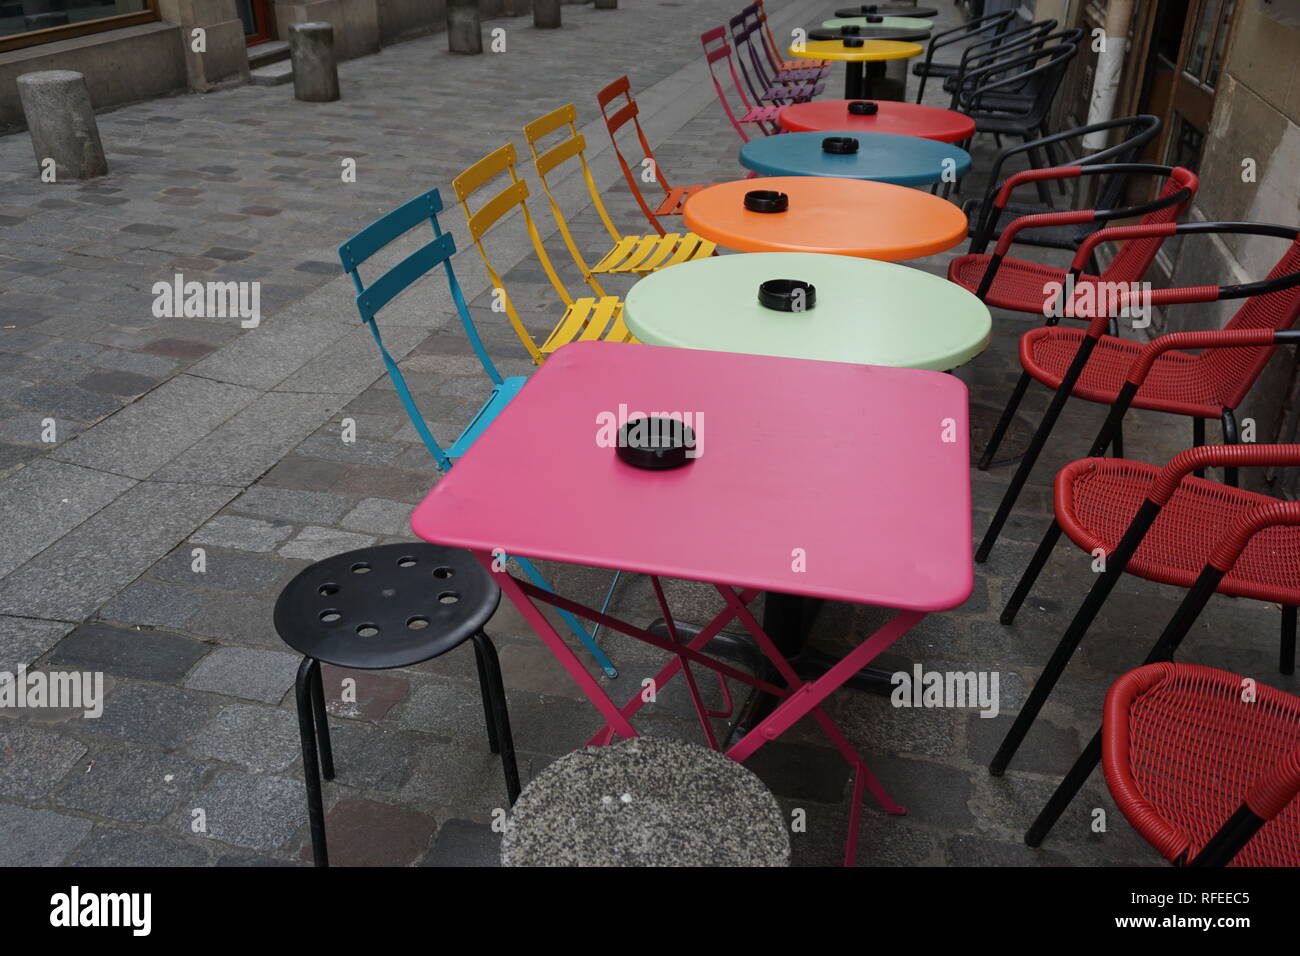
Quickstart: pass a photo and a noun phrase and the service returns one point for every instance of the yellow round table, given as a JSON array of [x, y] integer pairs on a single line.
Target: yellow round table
[[857, 81]]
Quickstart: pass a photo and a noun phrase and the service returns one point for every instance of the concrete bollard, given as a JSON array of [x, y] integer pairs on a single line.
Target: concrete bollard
[[464, 29], [62, 124], [546, 14], [315, 73], [606, 4]]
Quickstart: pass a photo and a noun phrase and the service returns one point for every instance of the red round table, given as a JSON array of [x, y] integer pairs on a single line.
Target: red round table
[[847, 217], [906, 119]]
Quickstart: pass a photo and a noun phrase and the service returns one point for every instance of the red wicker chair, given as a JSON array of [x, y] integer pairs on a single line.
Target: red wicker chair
[[1205, 777], [1020, 285], [1163, 525], [1160, 376]]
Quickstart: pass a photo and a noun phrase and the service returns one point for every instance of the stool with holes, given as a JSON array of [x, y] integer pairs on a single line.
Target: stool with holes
[[378, 608]]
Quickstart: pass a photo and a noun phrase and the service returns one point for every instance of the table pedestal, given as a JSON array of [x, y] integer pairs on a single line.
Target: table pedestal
[[874, 81]]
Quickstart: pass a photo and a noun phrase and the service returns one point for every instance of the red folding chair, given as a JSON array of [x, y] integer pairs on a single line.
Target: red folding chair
[[1206, 777], [762, 116], [674, 196], [1164, 525], [1101, 368]]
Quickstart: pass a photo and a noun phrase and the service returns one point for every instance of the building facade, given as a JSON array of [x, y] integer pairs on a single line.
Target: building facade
[[132, 50]]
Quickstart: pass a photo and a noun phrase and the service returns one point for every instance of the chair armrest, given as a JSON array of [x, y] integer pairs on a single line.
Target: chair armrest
[[1228, 549], [1213, 456], [1034, 176], [1215, 338], [1277, 788], [1116, 234]]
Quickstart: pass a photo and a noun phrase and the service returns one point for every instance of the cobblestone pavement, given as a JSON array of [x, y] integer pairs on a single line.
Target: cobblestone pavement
[[172, 434]]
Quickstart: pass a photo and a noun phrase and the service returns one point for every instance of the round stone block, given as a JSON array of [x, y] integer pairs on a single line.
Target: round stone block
[[646, 802], [62, 124], [315, 72]]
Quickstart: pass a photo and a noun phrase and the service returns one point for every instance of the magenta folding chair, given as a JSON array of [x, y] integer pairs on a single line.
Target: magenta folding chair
[[762, 116]]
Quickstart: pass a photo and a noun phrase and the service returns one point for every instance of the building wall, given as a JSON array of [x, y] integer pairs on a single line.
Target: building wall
[[134, 63], [157, 59], [1256, 118]]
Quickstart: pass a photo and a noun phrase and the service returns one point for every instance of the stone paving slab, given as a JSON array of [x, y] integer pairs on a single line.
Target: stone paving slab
[[176, 434]]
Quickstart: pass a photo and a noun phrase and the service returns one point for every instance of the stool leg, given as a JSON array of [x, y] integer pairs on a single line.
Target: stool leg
[[494, 691], [489, 715], [322, 723], [303, 694]]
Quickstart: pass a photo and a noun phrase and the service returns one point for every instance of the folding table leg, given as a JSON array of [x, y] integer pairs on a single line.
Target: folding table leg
[[595, 693], [807, 698]]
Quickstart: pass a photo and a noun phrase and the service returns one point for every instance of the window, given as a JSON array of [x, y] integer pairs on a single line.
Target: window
[[29, 22]]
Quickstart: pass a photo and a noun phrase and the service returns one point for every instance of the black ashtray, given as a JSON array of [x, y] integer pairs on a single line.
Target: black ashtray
[[853, 41], [850, 31], [875, 18], [655, 443], [863, 108], [868, 8], [766, 200], [787, 295], [841, 145]]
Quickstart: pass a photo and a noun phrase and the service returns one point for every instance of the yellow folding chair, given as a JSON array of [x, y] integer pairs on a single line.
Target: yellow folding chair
[[636, 254], [585, 319]]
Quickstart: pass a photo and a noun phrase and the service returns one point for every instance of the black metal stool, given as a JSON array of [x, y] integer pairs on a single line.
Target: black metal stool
[[380, 608]]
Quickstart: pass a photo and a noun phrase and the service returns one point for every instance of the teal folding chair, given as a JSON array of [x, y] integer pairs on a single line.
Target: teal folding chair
[[373, 297]]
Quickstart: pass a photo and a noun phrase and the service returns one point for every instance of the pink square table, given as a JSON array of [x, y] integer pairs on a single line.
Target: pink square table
[[823, 479]]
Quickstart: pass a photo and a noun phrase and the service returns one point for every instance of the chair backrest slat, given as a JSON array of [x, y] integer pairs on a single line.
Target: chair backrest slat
[[513, 195], [1233, 371], [716, 48], [1136, 256], [546, 159], [388, 227], [616, 121], [397, 279]]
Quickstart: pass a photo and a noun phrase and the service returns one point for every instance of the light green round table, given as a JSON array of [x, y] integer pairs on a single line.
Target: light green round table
[[893, 23], [874, 313]]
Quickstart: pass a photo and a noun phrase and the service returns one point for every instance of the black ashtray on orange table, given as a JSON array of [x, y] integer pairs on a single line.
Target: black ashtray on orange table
[[766, 200], [863, 108], [655, 443]]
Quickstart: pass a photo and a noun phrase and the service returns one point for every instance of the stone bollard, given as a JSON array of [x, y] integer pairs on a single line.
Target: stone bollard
[[62, 123], [606, 4], [546, 14], [315, 74], [464, 29]]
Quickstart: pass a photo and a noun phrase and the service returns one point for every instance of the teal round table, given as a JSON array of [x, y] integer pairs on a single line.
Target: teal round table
[[864, 311], [881, 157]]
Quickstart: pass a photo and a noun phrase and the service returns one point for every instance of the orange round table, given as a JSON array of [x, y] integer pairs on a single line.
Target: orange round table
[[849, 217], [904, 119]]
